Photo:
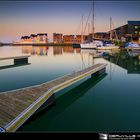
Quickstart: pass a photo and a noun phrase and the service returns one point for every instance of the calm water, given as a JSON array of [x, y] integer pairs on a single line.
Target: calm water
[[108, 103]]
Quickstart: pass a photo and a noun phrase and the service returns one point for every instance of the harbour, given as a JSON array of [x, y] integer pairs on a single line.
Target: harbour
[[85, 60], [33, 101], [70, 67]]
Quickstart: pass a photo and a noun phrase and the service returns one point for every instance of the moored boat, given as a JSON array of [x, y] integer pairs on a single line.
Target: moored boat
[[108, 47], [132, 46], [92, 45]]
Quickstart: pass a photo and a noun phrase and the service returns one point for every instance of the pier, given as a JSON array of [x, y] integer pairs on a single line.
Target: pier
[[17, 106], [22, 59]]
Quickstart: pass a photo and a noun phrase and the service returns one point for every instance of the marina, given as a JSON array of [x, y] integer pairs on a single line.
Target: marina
[[21, 104], [70, 66], [15, 102]]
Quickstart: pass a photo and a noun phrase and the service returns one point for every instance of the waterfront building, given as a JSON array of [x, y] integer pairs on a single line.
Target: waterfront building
[[74, 38], [78, 38], [39, 38], [134, 30], [130, 31], [102, 35], [33, 38], [57, 38], [68, 39], [25, 39], [42, 38]]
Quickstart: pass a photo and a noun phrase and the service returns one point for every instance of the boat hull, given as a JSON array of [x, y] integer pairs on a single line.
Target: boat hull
[[92, 45], [108, 48], [132, 48], [88, 46]]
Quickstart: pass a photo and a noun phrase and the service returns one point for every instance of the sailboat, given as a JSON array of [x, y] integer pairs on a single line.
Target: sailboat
[[95, 43], [132, 46], [108, 45]]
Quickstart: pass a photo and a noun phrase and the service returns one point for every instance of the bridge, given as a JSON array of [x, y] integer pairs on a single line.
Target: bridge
[[17, 106]]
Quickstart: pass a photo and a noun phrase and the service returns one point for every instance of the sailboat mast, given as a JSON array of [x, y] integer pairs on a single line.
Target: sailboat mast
[[110, 28], [82, 39], [88, 28], [93, 21]]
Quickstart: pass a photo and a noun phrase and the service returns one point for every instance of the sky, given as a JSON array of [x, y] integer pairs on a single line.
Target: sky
[[19, 18]]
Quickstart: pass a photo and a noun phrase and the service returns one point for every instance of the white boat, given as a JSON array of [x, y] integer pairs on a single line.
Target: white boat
[[132, 46], [95, 43], [91, 45], [108, 47]]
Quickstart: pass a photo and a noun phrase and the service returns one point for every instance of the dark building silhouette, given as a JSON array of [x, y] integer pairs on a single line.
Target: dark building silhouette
[[131, 31]]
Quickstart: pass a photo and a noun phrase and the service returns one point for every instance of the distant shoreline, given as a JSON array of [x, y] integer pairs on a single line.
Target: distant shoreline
[[39, 44]]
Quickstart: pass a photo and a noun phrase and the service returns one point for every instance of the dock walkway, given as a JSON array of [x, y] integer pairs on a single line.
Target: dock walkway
[[15, 57], [21, 59], [18, 105]]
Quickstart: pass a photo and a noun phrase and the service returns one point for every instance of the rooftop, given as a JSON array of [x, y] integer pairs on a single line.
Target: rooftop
[[134, 22]]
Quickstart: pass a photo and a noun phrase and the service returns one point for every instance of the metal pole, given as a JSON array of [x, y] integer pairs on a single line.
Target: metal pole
[[93, 21], [82, 30], [110, 28]]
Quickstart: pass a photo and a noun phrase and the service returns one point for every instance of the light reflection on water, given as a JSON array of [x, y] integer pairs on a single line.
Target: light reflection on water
[[110, 104], [46, 63]]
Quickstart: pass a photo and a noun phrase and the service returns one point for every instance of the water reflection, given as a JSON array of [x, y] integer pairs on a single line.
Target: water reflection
[[8, 51], [43, 50], [57, 50], [68, 49], [63, 102], [120, 58], [13, 66], [124, 60], [88, 107], [54, 62], [35, 50]]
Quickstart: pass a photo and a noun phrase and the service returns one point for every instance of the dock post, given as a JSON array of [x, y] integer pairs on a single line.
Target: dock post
[[21, 61], [99, 73]]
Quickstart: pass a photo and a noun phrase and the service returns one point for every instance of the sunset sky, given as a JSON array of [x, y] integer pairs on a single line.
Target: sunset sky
[[19, 18]]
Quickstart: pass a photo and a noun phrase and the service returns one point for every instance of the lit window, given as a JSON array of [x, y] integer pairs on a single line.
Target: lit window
[[139, 33], [136, 27], [136, 32]]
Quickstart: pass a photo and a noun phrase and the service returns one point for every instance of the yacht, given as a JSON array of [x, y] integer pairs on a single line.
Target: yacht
[[132, 45], [107, 45], [92, 45]]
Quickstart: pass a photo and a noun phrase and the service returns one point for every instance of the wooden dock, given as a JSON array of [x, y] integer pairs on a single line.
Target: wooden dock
[[21, 59], [18, 105]]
